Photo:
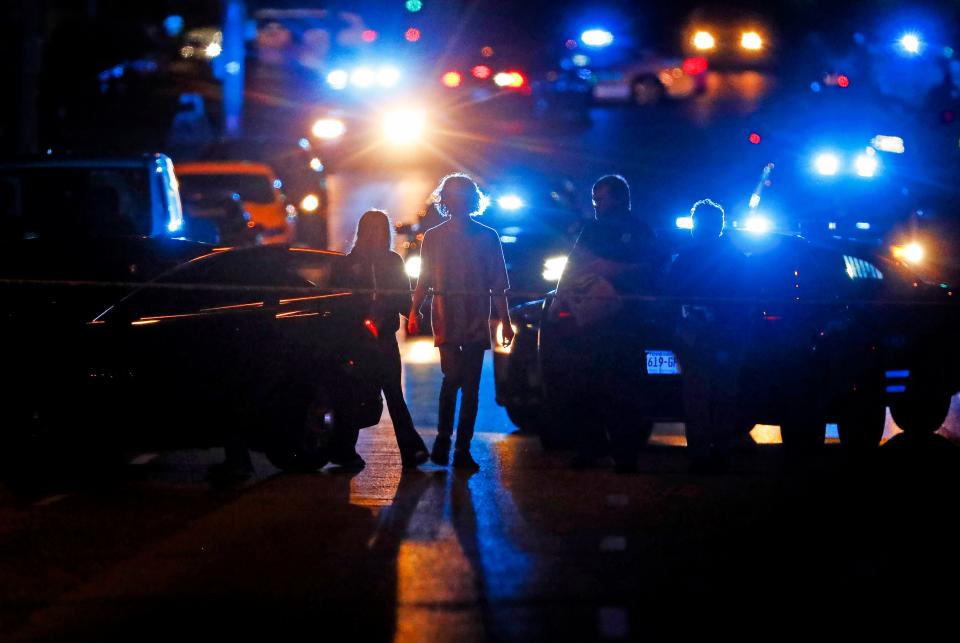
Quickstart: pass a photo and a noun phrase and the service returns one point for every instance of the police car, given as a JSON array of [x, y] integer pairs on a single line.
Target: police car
[[830, 334]]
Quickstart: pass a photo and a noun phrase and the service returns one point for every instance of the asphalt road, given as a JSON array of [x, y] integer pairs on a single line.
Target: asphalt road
[[525, 549]]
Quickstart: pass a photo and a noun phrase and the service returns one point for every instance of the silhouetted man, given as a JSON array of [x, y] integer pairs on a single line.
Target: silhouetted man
[[462, 262], [709, 272]]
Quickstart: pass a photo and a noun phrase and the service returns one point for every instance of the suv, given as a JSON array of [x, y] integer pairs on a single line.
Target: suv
[[51, 197], [830, 336]]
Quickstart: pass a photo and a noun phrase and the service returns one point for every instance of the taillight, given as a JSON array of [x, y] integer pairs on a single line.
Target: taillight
[[695, 66]]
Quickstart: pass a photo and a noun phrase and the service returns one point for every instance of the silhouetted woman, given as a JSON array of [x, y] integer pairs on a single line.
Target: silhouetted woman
[[372, 264]]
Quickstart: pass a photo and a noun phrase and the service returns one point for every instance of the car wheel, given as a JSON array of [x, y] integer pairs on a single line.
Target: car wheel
[[860, 423], [647, 91], [303, 446], [921, 413]]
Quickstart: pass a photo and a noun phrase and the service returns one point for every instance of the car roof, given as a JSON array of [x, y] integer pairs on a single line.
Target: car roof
[[223, 167], [81, 162]]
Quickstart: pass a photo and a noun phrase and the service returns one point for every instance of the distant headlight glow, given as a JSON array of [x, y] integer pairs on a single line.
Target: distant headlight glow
[[553, 268], [213, 50], [827, 164], [685, 222], [404, 126], [329, 128], [338, 78], [363, 77], [310, 203], [412, 266], [751, 41], [388, 76], [910, 43], [911, 252], [704, 40]]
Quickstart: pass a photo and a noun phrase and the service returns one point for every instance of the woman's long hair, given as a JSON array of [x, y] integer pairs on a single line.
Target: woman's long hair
[[374, 233]]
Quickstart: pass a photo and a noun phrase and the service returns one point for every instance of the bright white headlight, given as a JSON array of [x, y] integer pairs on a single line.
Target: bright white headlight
[[412, 266], [406, 125], [553, 268]]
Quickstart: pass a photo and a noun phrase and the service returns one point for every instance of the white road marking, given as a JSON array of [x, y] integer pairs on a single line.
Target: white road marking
[[144, 458], [612, 622], [52, 499], [613, 543]]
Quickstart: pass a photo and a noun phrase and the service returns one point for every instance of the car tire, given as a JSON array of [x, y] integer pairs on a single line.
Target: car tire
[[303, 446], [860, 423], [646, 91], [921, 414]]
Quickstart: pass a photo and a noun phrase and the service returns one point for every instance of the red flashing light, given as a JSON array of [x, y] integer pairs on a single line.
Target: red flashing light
[[518, 80], [695, 66], [481, 71], [371, 327], [368, 35], [412, 35], [452, 79], [843, 81], [754, 138]]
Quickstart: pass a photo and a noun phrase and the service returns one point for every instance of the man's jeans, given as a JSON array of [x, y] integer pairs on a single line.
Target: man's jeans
[[461, 366]]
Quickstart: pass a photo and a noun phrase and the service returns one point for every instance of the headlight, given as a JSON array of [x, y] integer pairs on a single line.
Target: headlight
[[329, 128], [751, 41], [911, 252], [213, 50], [338, 78], [388, 76], [553, 268], [363, 77], [404, 126], [310, 203], [412, 266], [704, 40]]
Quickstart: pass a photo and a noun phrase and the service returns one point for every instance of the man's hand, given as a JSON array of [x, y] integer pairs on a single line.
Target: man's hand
[[507, 332], [413, 323]]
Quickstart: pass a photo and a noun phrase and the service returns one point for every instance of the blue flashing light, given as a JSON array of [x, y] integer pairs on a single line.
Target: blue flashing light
[[304, 143], [508, 238], [174, 225], [585, 74], [897, 388], [863, 225], [754, 201], [910, 43], [510, 202], [596, 38], [758, 224], [173, 25], [897, 375], [685, 222], [814, 86], [826, 163], [277, 183], [890, 144]]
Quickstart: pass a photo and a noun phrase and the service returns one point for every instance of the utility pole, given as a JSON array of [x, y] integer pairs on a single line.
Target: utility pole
[[31, 54], [232, 65]]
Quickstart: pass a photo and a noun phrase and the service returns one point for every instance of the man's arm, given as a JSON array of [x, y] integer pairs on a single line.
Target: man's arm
[[499, 283], [503, 313], [420, 292]]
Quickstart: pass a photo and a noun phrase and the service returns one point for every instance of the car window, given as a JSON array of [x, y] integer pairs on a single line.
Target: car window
[[254, 188], [52, 202]]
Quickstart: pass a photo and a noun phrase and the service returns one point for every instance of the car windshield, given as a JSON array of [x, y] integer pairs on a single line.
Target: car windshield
[[44, 202], [253, 188]]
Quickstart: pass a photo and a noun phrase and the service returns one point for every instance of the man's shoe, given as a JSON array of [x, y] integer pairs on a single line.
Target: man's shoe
[[440, 454], [415, 460], [463, 460], [351, 461]]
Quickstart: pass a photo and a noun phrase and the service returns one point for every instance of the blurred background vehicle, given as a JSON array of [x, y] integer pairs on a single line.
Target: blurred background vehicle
[[259, 190], [218, 218]]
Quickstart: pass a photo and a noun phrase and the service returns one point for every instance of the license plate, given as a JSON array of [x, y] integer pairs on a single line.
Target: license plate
[[662, 363]]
